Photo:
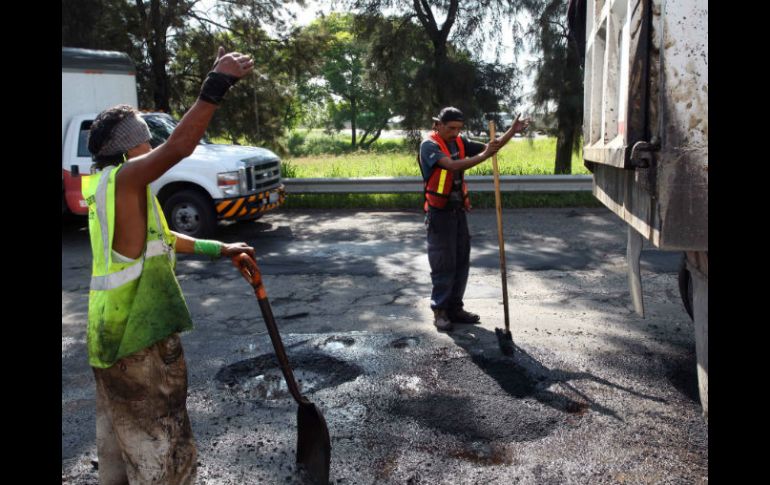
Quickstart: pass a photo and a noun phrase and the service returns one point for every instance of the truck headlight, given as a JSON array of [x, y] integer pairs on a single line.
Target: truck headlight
[[229, 183]]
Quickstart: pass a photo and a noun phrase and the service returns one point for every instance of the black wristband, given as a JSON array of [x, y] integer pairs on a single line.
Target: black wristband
[[216, 86]]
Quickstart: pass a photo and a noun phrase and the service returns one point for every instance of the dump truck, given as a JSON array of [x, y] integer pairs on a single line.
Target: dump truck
[[645, 136]]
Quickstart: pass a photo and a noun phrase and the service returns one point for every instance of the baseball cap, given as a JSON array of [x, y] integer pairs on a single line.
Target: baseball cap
[[449, 114]]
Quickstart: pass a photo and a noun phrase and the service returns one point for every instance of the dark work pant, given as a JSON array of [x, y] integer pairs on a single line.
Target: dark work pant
[[143, 433], [449, 250]]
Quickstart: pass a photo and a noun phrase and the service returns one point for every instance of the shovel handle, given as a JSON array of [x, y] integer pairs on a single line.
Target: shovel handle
[[250, 272], [500, 241]]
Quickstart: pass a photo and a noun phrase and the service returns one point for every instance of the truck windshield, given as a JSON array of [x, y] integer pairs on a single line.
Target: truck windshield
[[161, 127]]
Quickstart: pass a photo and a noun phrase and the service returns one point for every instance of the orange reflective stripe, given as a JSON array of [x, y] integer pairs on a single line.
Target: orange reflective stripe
[[440, 141], [461, 147], [221, 206], [236, 206], [443, 146]]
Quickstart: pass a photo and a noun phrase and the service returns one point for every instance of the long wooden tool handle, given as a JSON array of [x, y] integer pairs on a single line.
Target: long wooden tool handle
[[250, 271], [500, 242]]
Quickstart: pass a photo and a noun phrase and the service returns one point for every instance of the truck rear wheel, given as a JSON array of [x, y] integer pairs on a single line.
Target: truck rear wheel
[[685, 286], [190, 212]]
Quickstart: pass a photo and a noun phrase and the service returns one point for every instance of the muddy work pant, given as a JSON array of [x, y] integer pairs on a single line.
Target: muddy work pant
[[449, 250], [143, 433]]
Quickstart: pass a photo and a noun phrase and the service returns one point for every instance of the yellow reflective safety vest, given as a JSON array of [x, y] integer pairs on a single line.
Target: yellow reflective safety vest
[[131, 305]]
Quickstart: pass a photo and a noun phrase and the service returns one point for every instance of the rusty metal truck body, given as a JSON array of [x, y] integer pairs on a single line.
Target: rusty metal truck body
[[645, 132]]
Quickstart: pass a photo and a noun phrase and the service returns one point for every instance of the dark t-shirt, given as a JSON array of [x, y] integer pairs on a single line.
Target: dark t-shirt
[[430, 153]]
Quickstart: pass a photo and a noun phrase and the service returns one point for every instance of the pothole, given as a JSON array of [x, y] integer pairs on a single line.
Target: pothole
[[410, 385], [483, 453], [337, 343], [574, 407], [512, 378], [404, 342], [261, 378]]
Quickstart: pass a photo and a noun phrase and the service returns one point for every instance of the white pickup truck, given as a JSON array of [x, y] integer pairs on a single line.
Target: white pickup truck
[[217, 182]]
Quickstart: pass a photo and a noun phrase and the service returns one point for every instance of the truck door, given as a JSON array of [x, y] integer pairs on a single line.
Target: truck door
[[616, 108], [645, 116], [79, 164]]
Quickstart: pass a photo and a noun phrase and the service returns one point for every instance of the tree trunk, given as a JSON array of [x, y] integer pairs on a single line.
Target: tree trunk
[[159, 57], [161, 93], [353, 121], [374, 138], [570, 111], [564, 142], [439, 68], [363, 142], [155, 28], [438, 37]]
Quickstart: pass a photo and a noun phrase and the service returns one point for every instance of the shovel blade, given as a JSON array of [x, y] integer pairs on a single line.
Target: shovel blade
[[313, 445], [505, 339]]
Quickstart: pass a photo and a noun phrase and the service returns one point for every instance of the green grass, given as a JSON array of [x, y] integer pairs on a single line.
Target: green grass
[[525, 157], [390, 158], [313, 143], [313, 154]]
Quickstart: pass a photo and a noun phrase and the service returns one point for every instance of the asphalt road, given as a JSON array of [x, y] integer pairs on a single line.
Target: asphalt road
[[593, 393]]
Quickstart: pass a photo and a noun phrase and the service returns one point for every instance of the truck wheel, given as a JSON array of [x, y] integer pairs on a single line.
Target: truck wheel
[[685, 286], [190, 213]]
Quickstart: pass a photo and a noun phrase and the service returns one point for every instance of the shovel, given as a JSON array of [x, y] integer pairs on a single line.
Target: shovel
[[504, 337], [313, 445]]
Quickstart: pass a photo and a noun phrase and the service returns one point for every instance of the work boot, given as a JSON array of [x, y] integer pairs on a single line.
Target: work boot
[[458, 315], [441, 321]]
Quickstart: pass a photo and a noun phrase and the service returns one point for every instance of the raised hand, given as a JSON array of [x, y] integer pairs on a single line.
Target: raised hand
[[233, 64], [520, 125]]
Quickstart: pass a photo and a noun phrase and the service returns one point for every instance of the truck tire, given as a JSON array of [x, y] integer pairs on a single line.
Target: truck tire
[[190, 212], [685, 286]]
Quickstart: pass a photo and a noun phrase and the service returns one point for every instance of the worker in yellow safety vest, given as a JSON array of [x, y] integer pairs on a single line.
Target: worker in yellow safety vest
[[135, 307]]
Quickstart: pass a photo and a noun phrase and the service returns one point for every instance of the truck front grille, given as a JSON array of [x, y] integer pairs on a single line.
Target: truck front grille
[[263, 176]]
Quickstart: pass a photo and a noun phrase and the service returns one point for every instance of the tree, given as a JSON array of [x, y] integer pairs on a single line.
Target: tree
[[260, 107], [156, 18], [344, 69], [397, 51], [96, 24], [467, 18], [148, 31], [360, 87], [107, 25], [558, 76]]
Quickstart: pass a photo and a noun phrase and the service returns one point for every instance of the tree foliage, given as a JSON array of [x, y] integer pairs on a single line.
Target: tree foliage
[[363, 67], [467, 25], [150, 32], [558, 76]]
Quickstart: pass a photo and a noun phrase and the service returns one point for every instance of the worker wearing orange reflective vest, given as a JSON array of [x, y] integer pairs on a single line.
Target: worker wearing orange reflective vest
[[444, 156]]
